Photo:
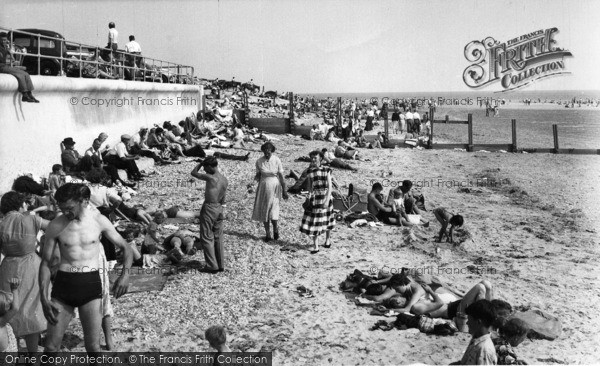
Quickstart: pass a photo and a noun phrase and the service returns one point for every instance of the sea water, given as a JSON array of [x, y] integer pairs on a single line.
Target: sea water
[[578, 127]]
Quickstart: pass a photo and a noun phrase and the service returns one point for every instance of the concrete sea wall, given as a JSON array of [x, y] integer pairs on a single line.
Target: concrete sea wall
[[30, 133]]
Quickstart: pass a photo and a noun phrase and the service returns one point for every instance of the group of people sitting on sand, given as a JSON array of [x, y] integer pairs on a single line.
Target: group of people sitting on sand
[[404, 207], [95, 181], [488, 319]]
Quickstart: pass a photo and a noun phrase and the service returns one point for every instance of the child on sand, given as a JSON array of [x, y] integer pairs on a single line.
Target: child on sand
[[56, 178], [481, 351], [217, 338], [8, 308], [512, 334], [445, 218]]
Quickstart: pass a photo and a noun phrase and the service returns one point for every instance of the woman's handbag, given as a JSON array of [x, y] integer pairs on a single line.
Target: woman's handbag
[[307, 205]]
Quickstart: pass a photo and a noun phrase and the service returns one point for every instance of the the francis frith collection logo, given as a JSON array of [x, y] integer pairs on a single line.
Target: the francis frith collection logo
[[516, 62]]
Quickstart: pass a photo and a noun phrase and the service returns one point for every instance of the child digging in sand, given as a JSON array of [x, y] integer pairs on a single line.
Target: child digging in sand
[[9, 306], [445, 218]]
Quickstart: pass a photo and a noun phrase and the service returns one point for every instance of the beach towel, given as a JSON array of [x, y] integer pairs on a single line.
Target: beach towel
[[427, 324], [142, 280], [542, 325]]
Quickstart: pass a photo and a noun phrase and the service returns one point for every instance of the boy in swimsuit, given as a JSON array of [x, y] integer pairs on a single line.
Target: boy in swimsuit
[[78, 284], [445, 218]]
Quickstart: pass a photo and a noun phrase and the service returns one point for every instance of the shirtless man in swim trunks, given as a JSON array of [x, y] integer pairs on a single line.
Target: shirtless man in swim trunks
[[417, 303], [77, 284], [211, 214]]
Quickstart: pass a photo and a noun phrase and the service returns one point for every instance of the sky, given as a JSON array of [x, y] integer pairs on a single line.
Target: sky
[[326, 46]]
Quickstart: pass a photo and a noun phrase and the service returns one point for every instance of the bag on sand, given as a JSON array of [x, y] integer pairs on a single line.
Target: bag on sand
[[414, 219], [542, 325]]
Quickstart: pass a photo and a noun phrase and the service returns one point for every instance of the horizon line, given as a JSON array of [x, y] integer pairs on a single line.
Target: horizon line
[[457, 91]]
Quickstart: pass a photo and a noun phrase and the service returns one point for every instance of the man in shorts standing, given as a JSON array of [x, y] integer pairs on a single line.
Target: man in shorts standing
[[211, 214], [78, 281]]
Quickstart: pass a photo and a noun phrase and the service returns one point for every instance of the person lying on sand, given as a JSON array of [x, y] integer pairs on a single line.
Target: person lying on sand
[[344, 150], [179, 244], [400, 284], [441, 303], [330, 159], [445, 218], [159, 216]]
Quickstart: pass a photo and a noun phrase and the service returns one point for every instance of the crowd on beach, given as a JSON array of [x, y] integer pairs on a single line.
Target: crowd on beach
[[42, 282]]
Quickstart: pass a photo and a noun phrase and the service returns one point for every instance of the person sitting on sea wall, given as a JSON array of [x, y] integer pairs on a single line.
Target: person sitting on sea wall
[[95, 66], [25, 84]]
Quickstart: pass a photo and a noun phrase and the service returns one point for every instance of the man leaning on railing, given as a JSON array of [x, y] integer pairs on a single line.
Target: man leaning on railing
[[23, 78], [133, 60]]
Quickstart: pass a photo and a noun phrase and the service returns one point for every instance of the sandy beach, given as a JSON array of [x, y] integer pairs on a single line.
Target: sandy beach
[[534, 237]]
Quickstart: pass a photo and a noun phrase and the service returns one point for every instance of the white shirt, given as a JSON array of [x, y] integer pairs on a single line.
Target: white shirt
[[132, 47], [119, 150], [92, 152], [324, 128], [113, 35], [137, 140], [104, 146], [102, 196], [409, 115], [416, 115]]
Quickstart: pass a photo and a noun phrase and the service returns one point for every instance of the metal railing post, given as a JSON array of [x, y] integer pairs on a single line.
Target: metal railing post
[[38, 56]]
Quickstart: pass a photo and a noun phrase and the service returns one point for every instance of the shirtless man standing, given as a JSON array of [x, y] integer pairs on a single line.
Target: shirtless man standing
[[211, 214], [77, 284]]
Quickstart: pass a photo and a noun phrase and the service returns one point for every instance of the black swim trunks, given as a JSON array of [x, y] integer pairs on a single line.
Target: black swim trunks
[[453, 309], [386, 216], [77, 289]]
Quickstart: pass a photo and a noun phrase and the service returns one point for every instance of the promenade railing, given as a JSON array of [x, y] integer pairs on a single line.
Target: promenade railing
[[53, 55]]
